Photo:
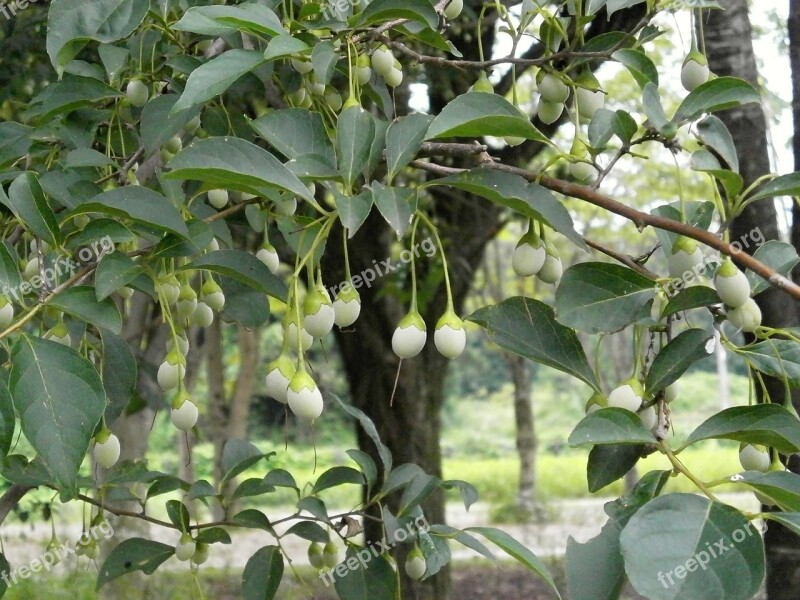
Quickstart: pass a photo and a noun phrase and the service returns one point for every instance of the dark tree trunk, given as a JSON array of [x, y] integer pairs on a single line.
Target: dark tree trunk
[[520, 370], [730, 52]]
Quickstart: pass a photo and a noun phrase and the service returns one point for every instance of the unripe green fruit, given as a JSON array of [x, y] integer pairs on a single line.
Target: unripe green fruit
[[589, 102], [482, 84], [201, 554], [187, 301], [31, 269], [410, 335], [170, 289], [553, 90], [137, 93], [595, 403], [549, 112], [179, 344], [174, 144], [582, 171], [202, 316], [59, 334], [302, 66], [330, 555], [364, 74], [333, 99], [732, 285], [213, 295], [315, 556], [192, 125], [671, 392], [394, 77], [287, 207], [453, 9], [552, 269], [86, 546], [6, 313], [512, 140], [218, 198], [382, 60]]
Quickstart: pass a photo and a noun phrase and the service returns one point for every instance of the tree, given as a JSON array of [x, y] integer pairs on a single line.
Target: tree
[[149, 162]]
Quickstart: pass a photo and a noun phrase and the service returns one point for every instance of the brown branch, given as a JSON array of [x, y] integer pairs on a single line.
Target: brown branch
[[626, 260], [11, 498], [638, 218]]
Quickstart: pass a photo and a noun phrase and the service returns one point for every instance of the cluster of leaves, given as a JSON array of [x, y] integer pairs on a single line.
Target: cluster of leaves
[[139, 130]]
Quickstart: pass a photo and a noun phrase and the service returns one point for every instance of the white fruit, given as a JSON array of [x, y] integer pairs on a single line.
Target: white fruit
[[302, 66], [382, 61], [333, 99], [291, 335], [454, 9], [683, 264], [31, 269], [625, 397], [6, 315], [304, 397], [218, 198], [170, 290], [203, 315], [553, 90], [733, 290], [694, 74], [671, 392], [169, 374], [364, 74], [589, 102], [582, 171], [415, 566], [746, 317], [408, 339], [277, 383], [549, 112], [179, 343], [185, 416], [107, 453], [137, 93], [450, 341], [527, 260], [287, 207], [512, 140], [346, 311], [216, 300], [269, 256], [649, 417], [185, 548], [754, 459], [320, 324], [551, 270]]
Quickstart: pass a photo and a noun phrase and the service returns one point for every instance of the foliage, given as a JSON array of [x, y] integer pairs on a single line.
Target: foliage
[[134, 162]]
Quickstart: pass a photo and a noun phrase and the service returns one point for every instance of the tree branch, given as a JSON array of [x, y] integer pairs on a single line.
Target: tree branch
[[11, 499]]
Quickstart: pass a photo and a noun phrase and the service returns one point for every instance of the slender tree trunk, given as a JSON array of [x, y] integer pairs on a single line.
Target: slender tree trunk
[[730, 52], [520, 369]]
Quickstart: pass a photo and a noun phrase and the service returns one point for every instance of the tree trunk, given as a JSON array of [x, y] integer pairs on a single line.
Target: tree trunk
[[730, 52], [526, 433]]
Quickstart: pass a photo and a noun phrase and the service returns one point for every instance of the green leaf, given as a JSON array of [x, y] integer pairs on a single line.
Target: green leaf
[[369, 428], [651, 102], [59, 398], [601, 297], [28, 203], [295, 132], [235, 164], [613, 6], [696, 296], [315, 507], [15, 140], [336, 476], [253, 519], [10, 277], [379, 11], [639, 65], [528, 328], [252, 487], [667, 533], [119, 373], [353, 210], [418, 489], [367, 466], [178, 514], [217, 75], [517, 551], [81, 302], [512, 191], [71, 24], [768, 424], [324, 58], [139, 204], [608, 463], [790, 520], [159, 123], [397, 205], [607, 123], [213, 535], [68, 95], [86, 157], [238, 456], [243, 267], [284, 46], [262, 574], [785, 185], [783, 487], [222, 20], [715, 135], [243, 304], [595, 570], [115, 271], [714, 95], [403, 140], [781, 256], [778, 358], [677, 356], [436, 551], [281, 478], [476, 114], [355, 133], [469, 494], [705, 162], [610, 426], [374, 578], [309, 530], [7, 417], [135, 554], [463, 538]]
